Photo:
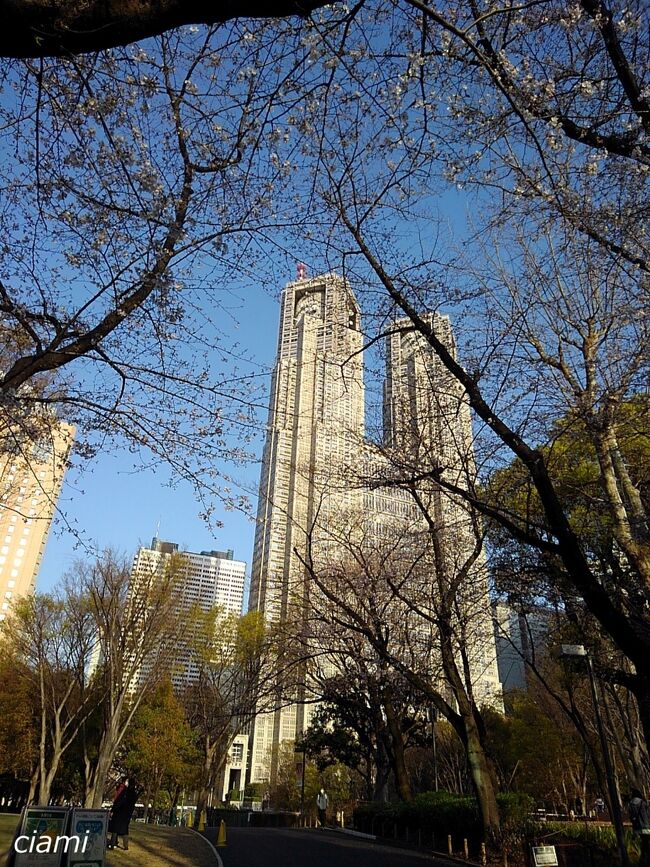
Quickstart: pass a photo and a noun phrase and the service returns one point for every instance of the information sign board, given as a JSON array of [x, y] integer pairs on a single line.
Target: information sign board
[[545, 856], [39, 844], [90, 827]]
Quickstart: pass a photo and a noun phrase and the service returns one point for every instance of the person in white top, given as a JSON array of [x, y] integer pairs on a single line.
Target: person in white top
[[321, 802]]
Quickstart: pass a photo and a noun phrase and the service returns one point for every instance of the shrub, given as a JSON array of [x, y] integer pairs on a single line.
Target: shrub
[[443, 813], [599, 838], [436, 813]]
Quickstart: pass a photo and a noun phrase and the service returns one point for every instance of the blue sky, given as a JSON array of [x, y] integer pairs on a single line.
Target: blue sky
[[113, 504], [108, 502]]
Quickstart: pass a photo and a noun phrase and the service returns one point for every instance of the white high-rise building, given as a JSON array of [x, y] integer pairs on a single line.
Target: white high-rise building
[[427, 422], [205, 580], [315, 445]]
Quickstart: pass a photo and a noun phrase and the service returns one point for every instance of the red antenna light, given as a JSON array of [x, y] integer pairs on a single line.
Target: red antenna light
[[301, 270]]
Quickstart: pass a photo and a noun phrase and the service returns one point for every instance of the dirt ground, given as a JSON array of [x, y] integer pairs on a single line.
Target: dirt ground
[[159, 846], [149, 846]]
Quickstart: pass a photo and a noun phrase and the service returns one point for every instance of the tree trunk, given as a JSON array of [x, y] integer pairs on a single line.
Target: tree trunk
[[640, 688], [483, 780], [157, 783], [105, 755], [206, 778], [147, 798], [626, 531], [483, 777], [43, 29], [33, 785], [201, 803], [45, 786], [402, 780], [380, 791], [43, 739], [174, 804]]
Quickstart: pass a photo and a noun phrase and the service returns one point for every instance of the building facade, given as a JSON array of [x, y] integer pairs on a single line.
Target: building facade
[[315, 446], [205, 580], [314, 433], [520, 641], [30, 483], [231, 782], [428, 430]]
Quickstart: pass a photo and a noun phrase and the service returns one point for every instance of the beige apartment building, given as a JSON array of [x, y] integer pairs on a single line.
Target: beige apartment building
[[30, 484]]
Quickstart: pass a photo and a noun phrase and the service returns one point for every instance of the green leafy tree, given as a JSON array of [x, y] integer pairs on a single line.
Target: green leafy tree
[[53, 639], [137, 625], [339, 781], [537, 751], [19, 732], [229, 653], [328, 742], [159, 745]]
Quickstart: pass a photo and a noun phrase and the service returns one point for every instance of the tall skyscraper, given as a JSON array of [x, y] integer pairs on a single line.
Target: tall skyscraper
[[206, 580], [428, 425], [315, 446], [314, 433], [31, 476]]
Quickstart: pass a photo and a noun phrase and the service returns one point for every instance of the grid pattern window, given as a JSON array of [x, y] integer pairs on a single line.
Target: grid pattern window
[[203, 580]]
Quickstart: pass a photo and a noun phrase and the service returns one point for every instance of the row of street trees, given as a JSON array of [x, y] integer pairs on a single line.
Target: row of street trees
[[541, 115], [86, 692], [362, 132]]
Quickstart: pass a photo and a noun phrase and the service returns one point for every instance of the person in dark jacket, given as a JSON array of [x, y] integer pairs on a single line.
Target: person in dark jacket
[[121, 813], [639, 813]]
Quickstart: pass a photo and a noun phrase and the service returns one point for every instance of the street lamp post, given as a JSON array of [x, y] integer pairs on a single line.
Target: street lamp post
[[579, 651], [302, 781], [302, 748], [432, 713]]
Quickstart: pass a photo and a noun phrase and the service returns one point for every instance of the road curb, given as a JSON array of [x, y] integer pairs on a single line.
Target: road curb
[[352, 833], [210, 844], [389, 843]]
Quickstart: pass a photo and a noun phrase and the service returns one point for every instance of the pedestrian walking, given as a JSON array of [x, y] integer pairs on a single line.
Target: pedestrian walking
[[121, 813], [639, 812], [321, 802]]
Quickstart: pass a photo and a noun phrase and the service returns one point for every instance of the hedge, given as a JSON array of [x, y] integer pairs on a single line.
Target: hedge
[[440, 814], [601, 838]]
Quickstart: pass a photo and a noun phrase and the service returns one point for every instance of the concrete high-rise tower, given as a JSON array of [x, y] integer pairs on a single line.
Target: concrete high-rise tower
[[314, 434], [427, 423], [315, 447]]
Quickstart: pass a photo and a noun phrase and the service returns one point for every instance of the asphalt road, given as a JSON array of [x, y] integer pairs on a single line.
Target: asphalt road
[[276, 847]]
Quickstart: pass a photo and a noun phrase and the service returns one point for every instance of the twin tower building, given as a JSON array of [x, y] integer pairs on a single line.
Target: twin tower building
[[326, 488]]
